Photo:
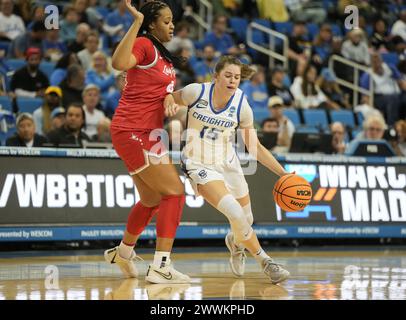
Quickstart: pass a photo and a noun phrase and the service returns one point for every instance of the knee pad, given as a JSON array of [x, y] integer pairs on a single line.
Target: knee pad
[[235, 214], [169, 215], [248, 214]]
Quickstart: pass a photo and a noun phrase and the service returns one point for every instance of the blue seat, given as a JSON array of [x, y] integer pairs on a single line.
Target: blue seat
[[258, 36], [390, 58], [315, 118], [360, 118], [336, 30], [6, 103], [15, 64], [307, 130], [103, 11], [28, 104], [47, 68], [4, 45], [260, 114], [3, 138], [283, 27], [293, 115], [239, 26], [344, 116]]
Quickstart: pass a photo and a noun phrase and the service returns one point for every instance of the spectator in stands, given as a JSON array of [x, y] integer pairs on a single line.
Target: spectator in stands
[[255, 89], [399, 47], [402, 70], [53, 46], [11, 25], [73, 85], [86, 55], [277, 86], [338, 140], [305, 90], [33, 38], [355, 48], [23, 8], [322, 46], [373, 128], [270, 125], [91, 99], [101, 74], [181, 39], [335, 98], [400, 144], [387, 83], [103, 131], [185, 69], [120, 16], [71, 132], [29, 81], [399, 27], [81, 7], [286, 128], [380, 39], [60, 71], [42, 116], [204, 69], [25, 135], [219, 38], [82, 31], [114, 97], [58, 117], [274, 10], [299, 48], [38, 14], [270, 135], [69, 24]]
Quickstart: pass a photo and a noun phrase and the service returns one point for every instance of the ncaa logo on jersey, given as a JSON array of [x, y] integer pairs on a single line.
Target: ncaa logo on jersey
[[231, 111], [202, 174]]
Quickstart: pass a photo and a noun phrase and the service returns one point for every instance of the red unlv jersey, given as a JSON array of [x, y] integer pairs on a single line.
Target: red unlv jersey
[[147, 84]]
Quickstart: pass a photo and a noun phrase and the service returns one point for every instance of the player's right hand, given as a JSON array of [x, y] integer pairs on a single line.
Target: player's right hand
[[171, 109], [138, 16]]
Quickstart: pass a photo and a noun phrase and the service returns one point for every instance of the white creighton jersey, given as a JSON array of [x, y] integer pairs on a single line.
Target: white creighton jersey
[[210, 132]]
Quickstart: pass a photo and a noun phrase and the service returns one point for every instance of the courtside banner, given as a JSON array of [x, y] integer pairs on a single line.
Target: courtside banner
[[57, 187]]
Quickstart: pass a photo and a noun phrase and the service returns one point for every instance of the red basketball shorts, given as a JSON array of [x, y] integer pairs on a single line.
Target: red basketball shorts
[[134, 147]]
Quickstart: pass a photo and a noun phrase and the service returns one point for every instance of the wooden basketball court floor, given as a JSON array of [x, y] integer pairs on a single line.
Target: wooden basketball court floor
[[339, 273]]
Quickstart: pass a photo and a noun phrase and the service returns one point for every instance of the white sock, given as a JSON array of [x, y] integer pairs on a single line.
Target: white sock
[[124, 250], [260, 256], [161, 259]]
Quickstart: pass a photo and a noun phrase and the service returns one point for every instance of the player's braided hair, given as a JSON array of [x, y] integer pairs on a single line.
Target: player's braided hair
[[150, 10], [246, 71]]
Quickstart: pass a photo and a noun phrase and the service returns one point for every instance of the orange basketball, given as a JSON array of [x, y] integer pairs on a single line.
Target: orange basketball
[[292, 193]]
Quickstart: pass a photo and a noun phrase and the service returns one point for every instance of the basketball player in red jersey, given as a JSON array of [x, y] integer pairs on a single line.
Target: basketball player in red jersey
[[150, 77]]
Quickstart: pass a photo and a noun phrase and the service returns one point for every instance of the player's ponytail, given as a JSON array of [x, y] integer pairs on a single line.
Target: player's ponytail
[[150, 10], [246, 71]]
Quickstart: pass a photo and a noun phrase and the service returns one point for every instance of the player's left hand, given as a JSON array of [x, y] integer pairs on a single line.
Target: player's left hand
[[171, 109]]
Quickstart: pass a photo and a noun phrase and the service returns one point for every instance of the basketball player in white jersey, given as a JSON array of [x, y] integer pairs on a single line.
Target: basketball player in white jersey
[[215, 110]]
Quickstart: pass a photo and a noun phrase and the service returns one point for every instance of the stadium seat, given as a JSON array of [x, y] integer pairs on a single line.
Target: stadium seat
[[312, 29], [47, 68], [390, 58], [239, 26], [293, 115], [336, 29], [260, 114], [28, 104], [360, 119], [15, 64], [6, 103], [103, 11], [346, 117], [4, 45], [283, 27], [316, 118], [306, 130]]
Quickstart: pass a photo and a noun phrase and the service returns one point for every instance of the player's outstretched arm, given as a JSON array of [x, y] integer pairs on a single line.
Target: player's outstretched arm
[[123, 59], [259, 152]]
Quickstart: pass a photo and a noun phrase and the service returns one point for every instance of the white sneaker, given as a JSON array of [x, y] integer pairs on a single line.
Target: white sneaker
[[165, 275], [238, 257], [165, 291], [127, 266], [274, 271]]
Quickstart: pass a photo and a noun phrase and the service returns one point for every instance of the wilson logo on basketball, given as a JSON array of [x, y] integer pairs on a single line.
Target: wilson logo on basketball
[[303, 193], [298, 204]]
